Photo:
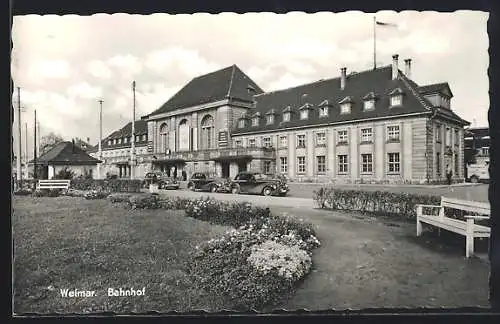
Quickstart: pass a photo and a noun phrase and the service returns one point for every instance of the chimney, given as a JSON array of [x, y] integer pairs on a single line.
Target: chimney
[[343, 76], [408, 68], [395, 66], [73, 145]]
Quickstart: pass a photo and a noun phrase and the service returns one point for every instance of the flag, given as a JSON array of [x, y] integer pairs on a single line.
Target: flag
[[385, 24]]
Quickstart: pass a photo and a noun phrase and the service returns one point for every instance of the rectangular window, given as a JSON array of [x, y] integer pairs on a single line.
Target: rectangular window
[[284, 164], [267, 167], [286, 116], [304, 114], [369, 105], [126, 140], [137, 138], [438, 133], [343, 167], [301, 164], [323, 111], [393, 161], [119, 141], [396, 100], [283, 141], [239, 143], [321, 164], [342, 137], [110, 143], [366, 163], [438, 164], [457, 137], [393, 133], [366, 135], [241, 123], [345, 108], [251, 142], [266, 142], [301, 140], [320, 139], [270, 119], [255, 121], [448, 137], [144, 137], [457, 165], [485, 151]]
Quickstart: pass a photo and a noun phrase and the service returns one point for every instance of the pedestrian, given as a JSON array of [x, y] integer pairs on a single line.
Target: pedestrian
[[449, 174]]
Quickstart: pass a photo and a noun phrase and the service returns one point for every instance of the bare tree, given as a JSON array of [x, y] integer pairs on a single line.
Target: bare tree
[[49, 141]]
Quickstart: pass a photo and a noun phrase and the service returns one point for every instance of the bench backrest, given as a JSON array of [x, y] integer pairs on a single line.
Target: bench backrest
[[54, 184], [466, 205]]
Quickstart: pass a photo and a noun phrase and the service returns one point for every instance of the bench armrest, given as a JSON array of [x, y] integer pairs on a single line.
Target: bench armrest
[[477, 217], [428, 206]]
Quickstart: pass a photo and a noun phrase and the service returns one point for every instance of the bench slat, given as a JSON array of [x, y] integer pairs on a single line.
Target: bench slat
[[470, 206]]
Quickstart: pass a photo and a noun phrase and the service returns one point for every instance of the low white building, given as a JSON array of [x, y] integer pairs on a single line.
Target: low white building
[[65, 155]]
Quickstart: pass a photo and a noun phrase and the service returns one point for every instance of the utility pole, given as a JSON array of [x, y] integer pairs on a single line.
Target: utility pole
[[19, 148], [132, 144], [26, 159], [38, 138], [99, 154], [34, 154]]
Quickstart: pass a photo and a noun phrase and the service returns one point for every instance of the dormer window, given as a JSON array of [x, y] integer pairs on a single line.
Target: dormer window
[[110, 142], [323, 108], [345, 105], [270, 116], [369, 101], [241, 123], [304, 111], [255, 121], [287, 114], [396, 96]]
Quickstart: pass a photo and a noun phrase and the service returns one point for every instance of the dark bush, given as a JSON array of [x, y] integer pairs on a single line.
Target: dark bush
[[145, 201], [65, 173], [23, 192], [119, 197], [229, 275], [46, 193], [95, 194], [111, 185], [400, 205]]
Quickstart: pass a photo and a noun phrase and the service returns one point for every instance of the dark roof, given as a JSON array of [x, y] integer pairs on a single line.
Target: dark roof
[[66, 153], [141, 128], [226, 83], [357, 86], [477, 131], [441, 87]]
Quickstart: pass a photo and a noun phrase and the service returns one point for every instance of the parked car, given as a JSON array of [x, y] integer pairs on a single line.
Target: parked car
[[478, 172], [201, 181], [258, 183], [162, 179]]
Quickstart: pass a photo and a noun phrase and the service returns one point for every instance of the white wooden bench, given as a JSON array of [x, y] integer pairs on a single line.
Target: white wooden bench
[[53, 184], [465, 227]]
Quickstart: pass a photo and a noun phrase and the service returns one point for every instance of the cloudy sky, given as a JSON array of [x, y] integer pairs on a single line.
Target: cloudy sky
[[64, 64]]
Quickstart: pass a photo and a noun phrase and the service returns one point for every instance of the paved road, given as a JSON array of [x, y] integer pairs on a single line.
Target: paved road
[[477, 192]]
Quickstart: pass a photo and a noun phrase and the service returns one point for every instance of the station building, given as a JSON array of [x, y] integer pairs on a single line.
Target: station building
[[374, 126]]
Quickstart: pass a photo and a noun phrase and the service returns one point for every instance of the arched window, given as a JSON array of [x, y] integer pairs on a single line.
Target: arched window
[[163, 138], [184, 135], [207, 132]]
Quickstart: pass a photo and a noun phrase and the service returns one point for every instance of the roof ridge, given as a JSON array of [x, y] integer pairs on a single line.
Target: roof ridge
[[322, 80], [231, 81], [417, 95]]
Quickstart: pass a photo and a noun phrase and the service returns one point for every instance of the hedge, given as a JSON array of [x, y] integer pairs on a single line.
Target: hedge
[[108, 185], [396, 205]]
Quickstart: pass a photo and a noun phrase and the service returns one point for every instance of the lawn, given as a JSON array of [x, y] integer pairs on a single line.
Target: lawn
[[72, 243]]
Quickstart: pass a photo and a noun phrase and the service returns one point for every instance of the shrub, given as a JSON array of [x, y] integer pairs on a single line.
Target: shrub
[[175, 203], [399, 205], [46, 193], [119, 197], [95, 194], [74, 193], [23, 192], [146, 201], [109, 185], [65, 173]]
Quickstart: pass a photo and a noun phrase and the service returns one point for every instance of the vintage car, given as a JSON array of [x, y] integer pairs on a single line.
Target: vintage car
[[201, 181], [258, 183], [162, 179]]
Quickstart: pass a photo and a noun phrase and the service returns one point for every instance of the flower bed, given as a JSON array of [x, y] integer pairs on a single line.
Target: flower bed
[[109, 185], [257, 263]]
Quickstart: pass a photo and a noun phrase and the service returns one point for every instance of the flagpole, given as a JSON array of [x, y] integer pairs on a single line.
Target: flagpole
[[374, 43]]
